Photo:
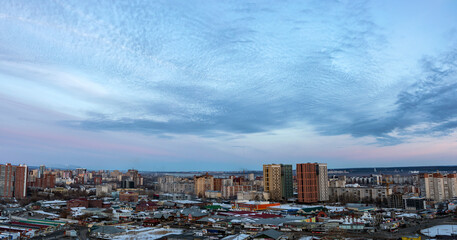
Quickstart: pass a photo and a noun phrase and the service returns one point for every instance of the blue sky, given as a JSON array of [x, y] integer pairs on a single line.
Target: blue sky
[[228, 85]]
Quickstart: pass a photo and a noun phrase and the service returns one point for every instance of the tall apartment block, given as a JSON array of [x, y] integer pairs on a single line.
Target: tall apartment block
[[202, 184], [277, 180], [322, 182], [437, 186], [80, 171], [312, 182], [135, 177], [13, 181], [41, 171], [287, 182]]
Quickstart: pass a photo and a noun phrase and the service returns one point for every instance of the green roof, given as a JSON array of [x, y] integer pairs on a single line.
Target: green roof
[[214, 207], [43, 222], [312, 209]]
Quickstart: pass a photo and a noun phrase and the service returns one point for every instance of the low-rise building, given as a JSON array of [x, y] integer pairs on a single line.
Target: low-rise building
[[213, 194], [356, 192], [253, 205], [253, 196], [80, 202], [102, 190], [128, 196], [415, 203]]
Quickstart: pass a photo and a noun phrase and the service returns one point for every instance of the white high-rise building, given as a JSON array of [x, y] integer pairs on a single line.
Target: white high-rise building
[[322, 182], [437, 186]]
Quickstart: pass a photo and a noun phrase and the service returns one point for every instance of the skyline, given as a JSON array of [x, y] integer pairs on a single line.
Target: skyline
[[357, 170], [167, 86]]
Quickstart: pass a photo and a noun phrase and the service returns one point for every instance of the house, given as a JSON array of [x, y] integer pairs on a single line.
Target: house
[[158, 218], [146, 206], [191, 214], [150, 222], [122, 214], [80, 202]]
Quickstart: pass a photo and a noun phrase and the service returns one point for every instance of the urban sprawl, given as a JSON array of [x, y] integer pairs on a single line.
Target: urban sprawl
[[308, 202]]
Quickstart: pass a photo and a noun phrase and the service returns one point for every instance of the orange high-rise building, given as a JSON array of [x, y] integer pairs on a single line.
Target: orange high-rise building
[[312, 182], [13, 181], [20, 182], [307, 182]]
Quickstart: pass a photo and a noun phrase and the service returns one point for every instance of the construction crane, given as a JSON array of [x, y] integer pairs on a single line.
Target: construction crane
[[387, 183]]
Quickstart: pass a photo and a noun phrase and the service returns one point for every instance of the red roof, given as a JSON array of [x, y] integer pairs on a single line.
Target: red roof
[[249, 214]]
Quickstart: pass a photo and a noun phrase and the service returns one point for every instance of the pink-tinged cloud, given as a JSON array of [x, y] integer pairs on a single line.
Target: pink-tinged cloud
[[92, 143]]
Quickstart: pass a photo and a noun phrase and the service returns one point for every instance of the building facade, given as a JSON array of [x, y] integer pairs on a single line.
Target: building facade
[[437, 186], [277, 180], [307, 182], [322, 182], [358, 193], [312, 182], [13, 181], [47, 180], [287, 183], [135, 177], [202, 184], [172, 184]]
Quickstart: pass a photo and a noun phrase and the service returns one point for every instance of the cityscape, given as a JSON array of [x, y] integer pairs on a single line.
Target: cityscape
[[304, 201], [232, 120]]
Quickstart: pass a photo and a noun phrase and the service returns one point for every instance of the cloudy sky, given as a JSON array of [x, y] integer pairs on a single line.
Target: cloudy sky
[[228, 85]]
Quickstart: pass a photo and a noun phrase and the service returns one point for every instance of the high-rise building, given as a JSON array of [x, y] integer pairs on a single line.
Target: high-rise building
[[277, 180], [172, 184], [272, 180], [202, 184], [217, 185], [312, 182], [115, 174], [135, 177], [80, 171], [67, 174], [47, 180], [98, 180], [20, 181], [322, 182], [251, 177], [437, 186], [41, 171], [13, 181], [307, 182], [287, 183], [127, 184]]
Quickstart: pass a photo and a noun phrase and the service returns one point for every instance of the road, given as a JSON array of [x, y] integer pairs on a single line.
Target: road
[[83, 233], [54, 235]]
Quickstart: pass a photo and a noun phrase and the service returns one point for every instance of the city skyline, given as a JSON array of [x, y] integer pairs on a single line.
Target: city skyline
[[187, 86]]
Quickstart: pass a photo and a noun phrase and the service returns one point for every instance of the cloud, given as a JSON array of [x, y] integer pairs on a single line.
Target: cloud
[[428, 107], [226, 68], [53, 77], [433, 98], [249, 78]]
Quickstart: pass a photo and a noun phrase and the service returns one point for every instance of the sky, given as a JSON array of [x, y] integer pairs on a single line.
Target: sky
[[228, 85]]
